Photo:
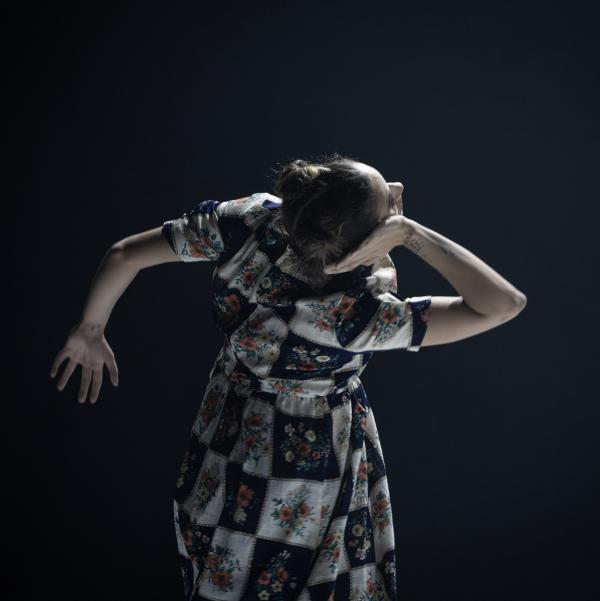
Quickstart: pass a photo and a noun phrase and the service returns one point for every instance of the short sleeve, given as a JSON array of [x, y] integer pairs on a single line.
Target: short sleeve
[[394, 324], [196, 236], [214, 230]]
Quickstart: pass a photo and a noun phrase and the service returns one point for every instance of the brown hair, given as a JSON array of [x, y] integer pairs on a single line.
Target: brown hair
[[327, 210]]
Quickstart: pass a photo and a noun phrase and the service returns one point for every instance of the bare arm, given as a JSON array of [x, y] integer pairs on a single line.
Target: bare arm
[[486, 298], [86, 344]]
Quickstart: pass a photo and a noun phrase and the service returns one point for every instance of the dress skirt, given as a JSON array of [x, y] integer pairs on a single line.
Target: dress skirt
[[283, 498]]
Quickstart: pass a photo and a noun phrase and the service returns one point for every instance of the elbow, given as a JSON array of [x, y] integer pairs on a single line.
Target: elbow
[[518, 304], [119, 252]]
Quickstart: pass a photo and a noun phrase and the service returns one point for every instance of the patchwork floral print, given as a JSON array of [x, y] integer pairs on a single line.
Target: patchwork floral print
[[282, 491]]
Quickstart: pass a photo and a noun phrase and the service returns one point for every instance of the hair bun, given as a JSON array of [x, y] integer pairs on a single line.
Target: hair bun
[[297, 176]]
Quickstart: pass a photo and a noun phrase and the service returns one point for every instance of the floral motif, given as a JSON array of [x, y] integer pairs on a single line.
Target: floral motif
[[361, 486], [219, 567], [359, 539], [344, 432], [274, 577], [205, 245], [299, 358], [255, 435], [188, 460], [391, 316], [248, 274], [334, 311], [254, 340], [306, 448], [326, 511], [286, 388], [274, 287], [293, 512], [242, 502], [196, 543], [331, 549], [209, 408], [207, 487], [373, 591], [228, 425], [227, 308], [381, 511], [202, 239]]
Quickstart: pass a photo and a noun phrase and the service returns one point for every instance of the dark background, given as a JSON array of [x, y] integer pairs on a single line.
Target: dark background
[[127, 114]]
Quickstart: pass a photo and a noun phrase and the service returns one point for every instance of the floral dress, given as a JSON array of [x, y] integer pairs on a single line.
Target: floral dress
[[282, 492]]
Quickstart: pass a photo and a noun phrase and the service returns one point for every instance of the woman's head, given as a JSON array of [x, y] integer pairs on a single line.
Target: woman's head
[[330, 205]]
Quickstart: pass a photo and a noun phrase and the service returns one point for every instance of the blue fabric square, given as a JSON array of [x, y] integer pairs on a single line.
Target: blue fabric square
[[302, 447], [301, 359]]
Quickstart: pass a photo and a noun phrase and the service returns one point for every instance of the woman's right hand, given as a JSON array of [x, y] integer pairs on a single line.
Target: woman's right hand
[[86, 346], [391, 232]]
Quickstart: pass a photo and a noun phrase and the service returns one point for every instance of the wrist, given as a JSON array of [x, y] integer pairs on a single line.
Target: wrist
[[89, 327]]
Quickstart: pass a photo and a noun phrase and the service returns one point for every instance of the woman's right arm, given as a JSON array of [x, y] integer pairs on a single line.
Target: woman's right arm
[[486, 299]]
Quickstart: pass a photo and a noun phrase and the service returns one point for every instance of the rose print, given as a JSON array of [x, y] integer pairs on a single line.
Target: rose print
[[241, 502], [333, 313], [306, 449], [255, 435], [381, 511], [331, 549], [207, 487], [293, 512], [220, 566], [275, 578]]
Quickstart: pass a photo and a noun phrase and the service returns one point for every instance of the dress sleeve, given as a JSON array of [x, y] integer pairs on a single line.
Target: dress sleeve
[[395, 324], [196, 235]]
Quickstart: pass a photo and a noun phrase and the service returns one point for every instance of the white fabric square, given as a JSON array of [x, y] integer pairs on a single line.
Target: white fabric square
[[206, 499], [331, 559], [342, 420], [254, 446], [381, 518], [360, 473], [227, 564], [292, 512], [366, 582], [256, 343]]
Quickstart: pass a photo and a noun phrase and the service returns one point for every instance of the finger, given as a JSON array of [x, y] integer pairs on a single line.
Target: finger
[[113, 371], [86, 378], [96, 385], [60, 357], [66, 374]]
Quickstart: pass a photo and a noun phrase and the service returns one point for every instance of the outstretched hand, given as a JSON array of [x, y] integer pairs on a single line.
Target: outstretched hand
[[390, 233], [89, 348]]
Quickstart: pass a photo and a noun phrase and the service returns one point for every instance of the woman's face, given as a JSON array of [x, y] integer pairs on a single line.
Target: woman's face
[[388, 195]]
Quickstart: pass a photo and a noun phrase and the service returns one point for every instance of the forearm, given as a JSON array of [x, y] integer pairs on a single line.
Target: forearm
[[110, 281], [483, 289]]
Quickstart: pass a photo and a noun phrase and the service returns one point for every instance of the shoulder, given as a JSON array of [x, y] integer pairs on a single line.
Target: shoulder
[[251, 209]]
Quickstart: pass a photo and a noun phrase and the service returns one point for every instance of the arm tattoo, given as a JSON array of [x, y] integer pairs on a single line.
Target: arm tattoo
[[414, 244]]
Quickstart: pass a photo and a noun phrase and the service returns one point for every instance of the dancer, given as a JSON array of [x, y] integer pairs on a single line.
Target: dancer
[[283, 492]]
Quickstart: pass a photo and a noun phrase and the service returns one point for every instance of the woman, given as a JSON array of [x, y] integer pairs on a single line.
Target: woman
[[283, 492]]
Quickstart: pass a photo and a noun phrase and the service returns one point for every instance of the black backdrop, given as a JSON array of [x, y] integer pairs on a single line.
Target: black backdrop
[[126, 114]]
